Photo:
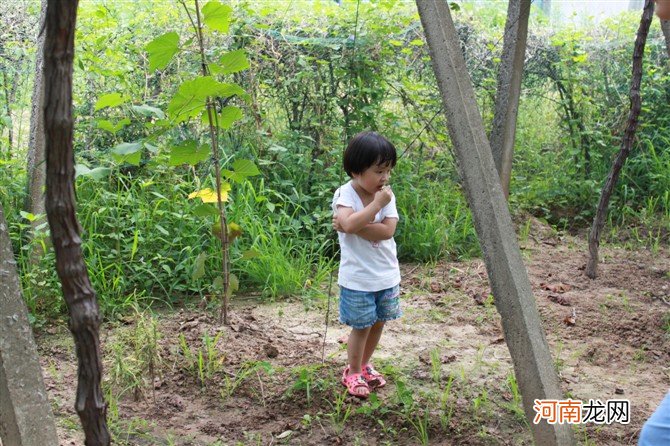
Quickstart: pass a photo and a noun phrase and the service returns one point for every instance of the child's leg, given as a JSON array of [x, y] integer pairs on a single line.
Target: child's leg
[[356, 348], [372, 341]]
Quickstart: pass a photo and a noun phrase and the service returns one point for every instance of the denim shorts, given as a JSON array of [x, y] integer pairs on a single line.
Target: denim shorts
[[656, 429], [362, 309]]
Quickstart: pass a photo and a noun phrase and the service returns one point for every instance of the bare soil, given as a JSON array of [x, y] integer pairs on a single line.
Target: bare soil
[[449, 370]]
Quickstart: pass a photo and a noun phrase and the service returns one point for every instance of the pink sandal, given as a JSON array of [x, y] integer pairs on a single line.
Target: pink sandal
[[374, 379], [355, 384]]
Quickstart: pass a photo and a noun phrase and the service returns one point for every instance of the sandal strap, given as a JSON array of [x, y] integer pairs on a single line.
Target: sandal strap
[[371, 370], [354, 383]]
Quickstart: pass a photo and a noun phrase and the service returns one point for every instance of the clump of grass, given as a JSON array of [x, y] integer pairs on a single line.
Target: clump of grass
[[135, 357]]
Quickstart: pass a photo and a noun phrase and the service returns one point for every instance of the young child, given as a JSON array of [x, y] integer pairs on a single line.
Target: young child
[[365, 217]]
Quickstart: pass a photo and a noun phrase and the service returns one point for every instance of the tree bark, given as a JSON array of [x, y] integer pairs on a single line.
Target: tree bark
[[665, 26], [23, 396], [36, 167], [508, 90], [626, 142], [79, 295]]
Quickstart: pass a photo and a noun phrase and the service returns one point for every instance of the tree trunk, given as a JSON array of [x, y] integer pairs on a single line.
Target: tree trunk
[[509, 90], [79, 295], [665, 26], [36, 167], [23, 396], [626, 142]]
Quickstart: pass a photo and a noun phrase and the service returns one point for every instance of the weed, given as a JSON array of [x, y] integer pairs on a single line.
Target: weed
[[515, 406], [306, 380], [135, 357], [481, 403], [232, 383], [415, 416], [446, 405], [205, 361], [340, 412]]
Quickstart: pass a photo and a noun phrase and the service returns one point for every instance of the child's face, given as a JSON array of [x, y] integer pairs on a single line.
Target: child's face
[[372, 179]]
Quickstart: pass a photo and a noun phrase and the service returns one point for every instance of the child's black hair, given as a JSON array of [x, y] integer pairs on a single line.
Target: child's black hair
[[367, 149]]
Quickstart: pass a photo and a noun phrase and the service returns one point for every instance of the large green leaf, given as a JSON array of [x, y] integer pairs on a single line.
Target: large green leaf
[[205, 210], [110, 100], [191, 97], [226, 118], [188, 152], [161, 50], [217, 16], [149, 111], [233, 62], [111, 127], [128, 152], [199, 266], [246, 168], [97, 173], [242, 170]]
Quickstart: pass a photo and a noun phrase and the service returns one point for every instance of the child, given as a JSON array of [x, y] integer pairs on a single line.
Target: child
[[365, 217]]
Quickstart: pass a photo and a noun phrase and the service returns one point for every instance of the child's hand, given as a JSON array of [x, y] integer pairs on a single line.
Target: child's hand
[[383, 197], [336, 224]]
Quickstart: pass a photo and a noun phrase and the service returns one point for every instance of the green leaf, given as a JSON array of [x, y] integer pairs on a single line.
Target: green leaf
[[233, 62], [218, 283], [109, 126], [247, 168], [128, 152], [161, 50], [199, 266], [205, 210], [110, 100], [233, 284], [28, 216], [226, 118], [243, 169], [149, 111], [192, 95], [217, 16], [188, 152], [97, 173]]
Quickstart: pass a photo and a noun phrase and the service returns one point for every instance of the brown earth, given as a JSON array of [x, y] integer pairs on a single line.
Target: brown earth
[[449, 370]]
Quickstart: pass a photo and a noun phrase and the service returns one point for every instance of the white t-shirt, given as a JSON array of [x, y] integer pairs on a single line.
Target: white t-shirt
[[366, 265]]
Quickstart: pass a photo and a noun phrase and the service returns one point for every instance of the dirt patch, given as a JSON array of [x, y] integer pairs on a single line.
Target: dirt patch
[[450, 374]]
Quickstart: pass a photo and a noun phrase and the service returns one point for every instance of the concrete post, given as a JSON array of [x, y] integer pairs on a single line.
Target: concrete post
[[507, 274], [503, 128], [25, 413]]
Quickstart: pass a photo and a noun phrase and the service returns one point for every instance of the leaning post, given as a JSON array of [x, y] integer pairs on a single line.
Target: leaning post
[[533, 365]]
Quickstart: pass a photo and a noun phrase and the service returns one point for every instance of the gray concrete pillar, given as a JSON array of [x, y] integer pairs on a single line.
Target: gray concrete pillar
[[25, 413], [533, 366]]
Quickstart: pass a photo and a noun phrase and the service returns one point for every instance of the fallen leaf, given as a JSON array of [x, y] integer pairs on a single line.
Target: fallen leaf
[[284, 434], [480, 298], [561, 300], [556, 288]]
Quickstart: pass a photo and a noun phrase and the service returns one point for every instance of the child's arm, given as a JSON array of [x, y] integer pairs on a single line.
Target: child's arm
[[352, 222], [379, 231]]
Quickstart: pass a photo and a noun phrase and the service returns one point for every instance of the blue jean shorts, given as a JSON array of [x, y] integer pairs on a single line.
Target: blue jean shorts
[[362, 309]]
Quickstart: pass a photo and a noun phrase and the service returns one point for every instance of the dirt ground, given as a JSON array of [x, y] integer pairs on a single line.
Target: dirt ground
[[449, 371]]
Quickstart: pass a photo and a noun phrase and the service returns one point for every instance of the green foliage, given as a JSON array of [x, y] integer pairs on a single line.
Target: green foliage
[[288, 89]]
